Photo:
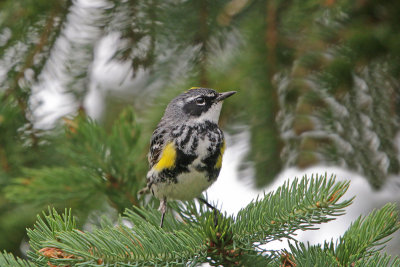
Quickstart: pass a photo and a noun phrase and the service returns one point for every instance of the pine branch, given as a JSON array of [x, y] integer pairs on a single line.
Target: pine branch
[[56, 183], [8, 260], [90, 172], [34, 30], [55, 240], [306, 255], [191, 236], [359, 245], [137, 32], [381, 260], [298, 205], [367, 236], [331, 95]]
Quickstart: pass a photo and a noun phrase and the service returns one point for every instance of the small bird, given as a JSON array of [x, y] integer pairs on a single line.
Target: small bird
[[186, 148]]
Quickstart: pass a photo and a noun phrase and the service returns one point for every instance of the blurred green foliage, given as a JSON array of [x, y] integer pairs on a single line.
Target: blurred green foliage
[[317, 82]]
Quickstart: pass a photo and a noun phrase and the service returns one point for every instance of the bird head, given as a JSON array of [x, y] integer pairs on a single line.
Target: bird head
[[197, 105]]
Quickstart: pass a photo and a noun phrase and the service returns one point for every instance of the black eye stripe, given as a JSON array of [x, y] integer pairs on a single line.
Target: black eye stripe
[[193, 108]]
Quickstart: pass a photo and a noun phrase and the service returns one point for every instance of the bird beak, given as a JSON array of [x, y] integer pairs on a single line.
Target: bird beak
[[224, 95]]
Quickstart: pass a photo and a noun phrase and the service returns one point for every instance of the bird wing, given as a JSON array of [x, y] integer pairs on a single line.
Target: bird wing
[[160, 142], [157, 144]]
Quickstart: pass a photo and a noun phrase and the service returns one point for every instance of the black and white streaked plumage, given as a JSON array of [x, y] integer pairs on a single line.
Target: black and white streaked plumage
[[186, 147]]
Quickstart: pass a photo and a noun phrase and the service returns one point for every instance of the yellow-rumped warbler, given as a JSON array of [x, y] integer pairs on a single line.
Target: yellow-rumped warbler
[[187, 146]]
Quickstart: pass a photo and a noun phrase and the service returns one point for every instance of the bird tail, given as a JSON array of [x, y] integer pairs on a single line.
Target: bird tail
[[144, 191]]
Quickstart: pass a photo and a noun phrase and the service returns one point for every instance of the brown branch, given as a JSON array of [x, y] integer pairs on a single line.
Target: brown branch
[[203, 37], [3, 161], [271, 36], [43, 40]]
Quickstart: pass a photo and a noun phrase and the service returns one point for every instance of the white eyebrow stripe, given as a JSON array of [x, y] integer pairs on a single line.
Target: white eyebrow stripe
[[191, 98], [211, 95]]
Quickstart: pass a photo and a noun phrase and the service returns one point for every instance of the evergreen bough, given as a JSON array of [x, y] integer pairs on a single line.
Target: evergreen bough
[[190, 236]]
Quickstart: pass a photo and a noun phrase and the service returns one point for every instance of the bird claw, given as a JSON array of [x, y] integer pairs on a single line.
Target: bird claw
[[215, 210]]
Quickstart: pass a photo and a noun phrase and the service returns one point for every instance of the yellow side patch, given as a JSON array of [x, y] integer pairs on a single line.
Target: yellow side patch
[[219, 160], [168, 157], [194, 88]]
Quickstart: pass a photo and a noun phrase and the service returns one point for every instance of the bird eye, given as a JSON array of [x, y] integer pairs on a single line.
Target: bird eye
[[200, 101]]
